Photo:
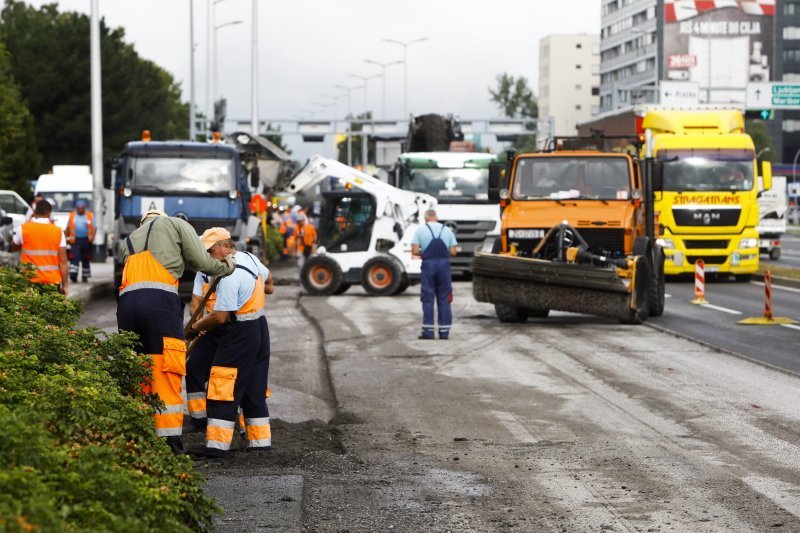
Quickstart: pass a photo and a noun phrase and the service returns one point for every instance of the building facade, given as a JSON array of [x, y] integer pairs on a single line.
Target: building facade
[[629, 53], [569, 81], [787, 55]]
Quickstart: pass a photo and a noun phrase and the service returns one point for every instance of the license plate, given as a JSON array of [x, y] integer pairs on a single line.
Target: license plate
[[712, 269]]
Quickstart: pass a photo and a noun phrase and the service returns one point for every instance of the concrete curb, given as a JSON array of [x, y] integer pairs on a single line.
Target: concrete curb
[[95, 292]]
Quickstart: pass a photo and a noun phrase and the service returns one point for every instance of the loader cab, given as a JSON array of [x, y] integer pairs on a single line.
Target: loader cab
[[346, 221]]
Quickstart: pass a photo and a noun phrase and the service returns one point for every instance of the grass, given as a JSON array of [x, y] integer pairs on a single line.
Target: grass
[[779, 271]]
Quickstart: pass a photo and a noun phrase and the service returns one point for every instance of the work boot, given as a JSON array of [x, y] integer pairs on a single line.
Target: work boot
[[426, 337], [175, 444]]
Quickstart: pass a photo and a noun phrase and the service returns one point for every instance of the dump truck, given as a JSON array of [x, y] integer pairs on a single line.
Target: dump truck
[[578, 234]]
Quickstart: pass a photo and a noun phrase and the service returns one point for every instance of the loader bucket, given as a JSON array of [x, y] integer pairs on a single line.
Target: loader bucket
[[537, 284]]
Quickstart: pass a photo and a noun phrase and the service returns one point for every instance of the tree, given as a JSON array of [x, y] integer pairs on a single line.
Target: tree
[[761, 139], [19, 156], [356, 142], [516, 100], [50, 60]]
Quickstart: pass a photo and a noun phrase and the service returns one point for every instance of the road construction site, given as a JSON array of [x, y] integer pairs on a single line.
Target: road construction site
[[569, 423]]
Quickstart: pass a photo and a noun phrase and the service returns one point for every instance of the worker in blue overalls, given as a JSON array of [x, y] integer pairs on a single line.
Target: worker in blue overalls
[[436, 243]]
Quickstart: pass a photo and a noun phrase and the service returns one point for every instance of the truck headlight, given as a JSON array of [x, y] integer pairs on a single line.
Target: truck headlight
[[748, 243], [666, 244], [525, 233]]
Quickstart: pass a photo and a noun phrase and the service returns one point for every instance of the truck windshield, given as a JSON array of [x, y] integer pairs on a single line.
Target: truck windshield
[[558, 178], [65, 201], [449, 185], [716, 170], [165, 174]]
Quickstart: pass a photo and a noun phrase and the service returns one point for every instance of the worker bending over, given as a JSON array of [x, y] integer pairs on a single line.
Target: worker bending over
[[199, 361], [239, 365], [155, 255]]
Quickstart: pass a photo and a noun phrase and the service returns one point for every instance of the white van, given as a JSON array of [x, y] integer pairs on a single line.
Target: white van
[[65, 186]]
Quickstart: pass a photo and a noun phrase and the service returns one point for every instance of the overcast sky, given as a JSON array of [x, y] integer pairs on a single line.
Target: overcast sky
[[306, 47]]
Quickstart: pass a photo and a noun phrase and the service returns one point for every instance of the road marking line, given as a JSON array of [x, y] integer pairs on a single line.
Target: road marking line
[[514, 427], [792, 326], [723, 309], [781, 287]]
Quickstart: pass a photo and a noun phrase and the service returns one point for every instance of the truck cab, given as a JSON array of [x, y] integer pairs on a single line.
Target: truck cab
[[63, 187], [202, 183]]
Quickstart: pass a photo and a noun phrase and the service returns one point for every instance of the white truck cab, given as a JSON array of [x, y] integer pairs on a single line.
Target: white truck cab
[[63, 187]]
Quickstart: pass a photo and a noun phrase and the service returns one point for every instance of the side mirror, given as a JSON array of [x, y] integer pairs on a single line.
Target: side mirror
[[255, 176], [766, 175], [6, 221], [658, 175], [496, 179]]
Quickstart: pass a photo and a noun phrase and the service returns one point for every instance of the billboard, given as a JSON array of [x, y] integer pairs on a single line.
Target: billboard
[[720, 44]]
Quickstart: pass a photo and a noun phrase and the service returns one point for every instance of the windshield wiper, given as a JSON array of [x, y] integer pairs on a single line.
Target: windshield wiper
[[587, 197]]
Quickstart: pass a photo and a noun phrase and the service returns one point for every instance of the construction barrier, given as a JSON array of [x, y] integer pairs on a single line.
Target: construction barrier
[[699, 283], [767, 319]]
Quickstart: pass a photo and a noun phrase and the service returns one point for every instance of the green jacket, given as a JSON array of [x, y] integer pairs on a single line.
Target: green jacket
[[174, 244]]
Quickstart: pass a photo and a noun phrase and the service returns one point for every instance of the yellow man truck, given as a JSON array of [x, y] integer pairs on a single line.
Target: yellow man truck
[[708, 208]]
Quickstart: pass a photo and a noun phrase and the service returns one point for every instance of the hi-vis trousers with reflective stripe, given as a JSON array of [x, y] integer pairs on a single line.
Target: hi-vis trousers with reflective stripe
[[157, 317], [238, 376]]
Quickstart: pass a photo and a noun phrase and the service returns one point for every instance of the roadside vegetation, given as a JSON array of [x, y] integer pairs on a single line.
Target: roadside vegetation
[[78, 450]]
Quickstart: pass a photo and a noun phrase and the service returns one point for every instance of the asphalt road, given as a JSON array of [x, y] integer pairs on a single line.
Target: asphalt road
[[729, 302], [569, 423]]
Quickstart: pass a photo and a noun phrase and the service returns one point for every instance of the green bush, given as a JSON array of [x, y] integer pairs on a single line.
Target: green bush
[[79, 451]]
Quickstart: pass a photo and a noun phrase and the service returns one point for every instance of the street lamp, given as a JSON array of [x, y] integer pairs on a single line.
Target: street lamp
[[216, 80], [365, 79], [405, 46], [349, 120], [763, 150], [383, 75]]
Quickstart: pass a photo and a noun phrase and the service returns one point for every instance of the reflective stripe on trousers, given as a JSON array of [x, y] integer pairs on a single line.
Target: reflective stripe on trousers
[[259, 434], [219, 434], [196, 404]]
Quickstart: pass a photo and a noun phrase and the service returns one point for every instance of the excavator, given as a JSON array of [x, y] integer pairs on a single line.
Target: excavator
[[365, 231]]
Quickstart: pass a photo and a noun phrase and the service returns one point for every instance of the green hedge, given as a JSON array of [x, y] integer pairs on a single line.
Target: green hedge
[[77, 448]]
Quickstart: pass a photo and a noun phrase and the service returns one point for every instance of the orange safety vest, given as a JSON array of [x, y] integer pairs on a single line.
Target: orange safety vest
[[40, 246], [71, 226], [143, 271], [307, 235], [253, 308], [212, 299]]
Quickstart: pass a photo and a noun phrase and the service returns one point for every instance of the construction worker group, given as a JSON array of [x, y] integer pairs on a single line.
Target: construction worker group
[[229, 359]]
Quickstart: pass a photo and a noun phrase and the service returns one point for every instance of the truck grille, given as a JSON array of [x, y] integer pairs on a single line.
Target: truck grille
[[709, 259], [715, 243], [470, 234], [710, 216]]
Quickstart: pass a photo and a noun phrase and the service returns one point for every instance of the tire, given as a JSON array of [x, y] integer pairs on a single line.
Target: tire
[[775, 254], [342, 288], [657, 297], [321, 276], [381, 276], [510, 314], [404, 284], [743, 278], [537, 313], [644, 280]]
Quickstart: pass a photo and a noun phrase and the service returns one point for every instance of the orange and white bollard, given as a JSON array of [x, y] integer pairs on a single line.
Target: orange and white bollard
[[767, 319], [767, 295], [699, 282]]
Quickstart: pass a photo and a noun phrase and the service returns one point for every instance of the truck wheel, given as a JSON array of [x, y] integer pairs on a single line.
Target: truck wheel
[[321, 276], [342, 288], [657, 298], [381, 276], [510, 314], [775, 254]]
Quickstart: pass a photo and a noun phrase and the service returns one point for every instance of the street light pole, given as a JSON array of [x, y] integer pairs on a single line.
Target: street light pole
[[254, 73], [405, 46], [383, 75], [192, 132], [97, 131], [364, 140], [216, 78], [349, 121]]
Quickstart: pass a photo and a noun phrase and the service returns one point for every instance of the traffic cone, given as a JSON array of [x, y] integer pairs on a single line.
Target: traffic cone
[[767, 319], [699, 283]]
